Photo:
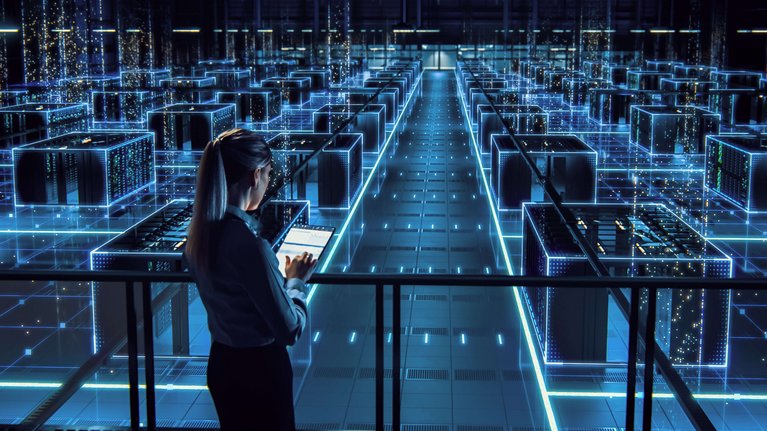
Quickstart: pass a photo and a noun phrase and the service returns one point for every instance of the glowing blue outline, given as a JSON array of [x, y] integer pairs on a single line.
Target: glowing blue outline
[[525, 326]]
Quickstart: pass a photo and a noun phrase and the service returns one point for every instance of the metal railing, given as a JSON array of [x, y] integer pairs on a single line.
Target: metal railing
[[49, 406]]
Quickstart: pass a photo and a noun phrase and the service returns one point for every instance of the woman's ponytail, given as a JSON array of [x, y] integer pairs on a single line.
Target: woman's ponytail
[[209, 205]]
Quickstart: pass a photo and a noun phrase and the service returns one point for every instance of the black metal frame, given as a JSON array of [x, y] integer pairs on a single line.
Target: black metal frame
[[48, 407]]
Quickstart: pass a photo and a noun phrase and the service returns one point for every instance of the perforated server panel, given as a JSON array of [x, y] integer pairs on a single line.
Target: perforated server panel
[[637, 241], [32, 122], [736, 168], [87, 169]]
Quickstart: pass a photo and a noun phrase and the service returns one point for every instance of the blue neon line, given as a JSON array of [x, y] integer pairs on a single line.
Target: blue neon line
[[525, 325], [60, 232]]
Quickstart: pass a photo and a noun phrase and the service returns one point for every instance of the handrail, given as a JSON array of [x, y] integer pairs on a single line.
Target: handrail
[[464, 280], [49, 406]]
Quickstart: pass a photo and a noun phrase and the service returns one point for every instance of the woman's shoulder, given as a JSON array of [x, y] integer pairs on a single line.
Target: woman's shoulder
[[235, 233]]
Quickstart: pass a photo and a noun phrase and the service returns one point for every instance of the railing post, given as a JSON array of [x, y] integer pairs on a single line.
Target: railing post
[[151, 412], [631, 381], [379, 357], [130, 311], [649, 358], [395, 368]]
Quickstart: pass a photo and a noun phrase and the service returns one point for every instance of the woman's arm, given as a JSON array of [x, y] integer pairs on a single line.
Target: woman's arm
[[281, 303]]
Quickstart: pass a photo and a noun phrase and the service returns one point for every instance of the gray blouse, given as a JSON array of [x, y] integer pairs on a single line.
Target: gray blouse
[[248, 301]]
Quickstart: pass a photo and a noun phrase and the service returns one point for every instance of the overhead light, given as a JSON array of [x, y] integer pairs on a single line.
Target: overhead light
[[402, 27]]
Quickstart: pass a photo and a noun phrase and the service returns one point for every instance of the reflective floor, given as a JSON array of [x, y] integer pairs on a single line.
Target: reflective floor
[[464, 363]]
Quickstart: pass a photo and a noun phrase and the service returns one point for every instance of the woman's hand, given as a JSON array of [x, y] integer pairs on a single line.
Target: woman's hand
[[301, 267]]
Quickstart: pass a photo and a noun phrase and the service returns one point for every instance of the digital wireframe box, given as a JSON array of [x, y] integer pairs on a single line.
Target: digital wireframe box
[[190, 89], [467, 77], [523, 119], [156, 243], [538, 72], [189, 126], [672, 129], [398, 83], [695, 71], [613, 105], [338, 166], [499, 96], [370, 122], [292, 91], [632, 241], [736, 169], [690, 91], [387, 97], [736, 78], [593, 69], [410, 72], [484, 83], [85, 169], [143, 78], [526, 67], [320, 78], [252, 105], [32, 122], [13, 97], [662, 65], [576, 90], [645, 80], [617, 74], [231, 79], [565, 160], [123, 106], [395, 74], [77, 89], [216, 64], [343, 70], [739, 105], [554, 79]]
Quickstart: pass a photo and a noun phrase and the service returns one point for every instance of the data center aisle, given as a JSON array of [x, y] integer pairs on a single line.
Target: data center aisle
[[464, 364]]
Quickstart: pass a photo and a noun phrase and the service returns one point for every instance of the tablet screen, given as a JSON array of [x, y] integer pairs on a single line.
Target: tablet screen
[[304, 238]]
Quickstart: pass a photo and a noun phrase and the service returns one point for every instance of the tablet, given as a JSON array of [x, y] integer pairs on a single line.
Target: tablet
[[304, 238]]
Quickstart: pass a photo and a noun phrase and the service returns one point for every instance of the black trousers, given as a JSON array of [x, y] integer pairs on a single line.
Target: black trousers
[[252, 388]]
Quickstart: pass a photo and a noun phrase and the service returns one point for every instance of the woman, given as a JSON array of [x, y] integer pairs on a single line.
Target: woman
[[253, 311]]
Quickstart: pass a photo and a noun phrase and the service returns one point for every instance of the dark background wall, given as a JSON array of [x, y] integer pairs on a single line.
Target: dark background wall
[[718, 26]]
